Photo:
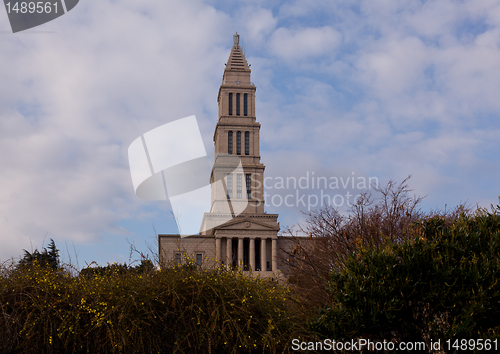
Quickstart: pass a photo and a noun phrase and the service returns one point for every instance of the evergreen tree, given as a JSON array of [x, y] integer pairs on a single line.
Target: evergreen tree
[[48, 258]]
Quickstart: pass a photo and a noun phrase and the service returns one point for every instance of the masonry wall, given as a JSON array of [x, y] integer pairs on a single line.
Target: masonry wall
[[289, 250], [188, 247], [292, 251]]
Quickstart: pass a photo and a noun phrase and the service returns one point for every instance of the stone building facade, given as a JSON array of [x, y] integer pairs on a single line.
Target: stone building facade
[[237, 232]]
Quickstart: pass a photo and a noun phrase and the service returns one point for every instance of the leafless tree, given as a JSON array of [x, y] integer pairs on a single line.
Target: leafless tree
[[388, 215]]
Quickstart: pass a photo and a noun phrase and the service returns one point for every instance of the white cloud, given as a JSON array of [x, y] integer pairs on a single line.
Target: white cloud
[[77, 97], [259, 23], [292, 44], [385, 88], [395, 67], [421, 82]]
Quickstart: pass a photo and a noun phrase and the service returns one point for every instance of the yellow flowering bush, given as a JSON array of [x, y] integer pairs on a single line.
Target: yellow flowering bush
[[175, 310]]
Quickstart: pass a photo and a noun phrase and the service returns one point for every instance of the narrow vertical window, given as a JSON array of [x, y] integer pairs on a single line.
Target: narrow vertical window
[[237, 104], [238, 186], [238, 143], [230, 186], [177, 258], [247, 143], [249, 186], [199, 259], [245, 104], [230, 104], [230, 142]]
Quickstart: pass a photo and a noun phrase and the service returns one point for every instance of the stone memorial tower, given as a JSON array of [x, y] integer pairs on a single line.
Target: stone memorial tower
[[236, 232]]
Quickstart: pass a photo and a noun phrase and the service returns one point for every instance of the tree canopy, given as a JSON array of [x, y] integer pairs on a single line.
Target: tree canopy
[[48, 257], [445, 283]]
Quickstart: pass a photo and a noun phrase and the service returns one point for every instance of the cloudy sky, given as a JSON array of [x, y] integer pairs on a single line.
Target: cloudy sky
[[345, 89]]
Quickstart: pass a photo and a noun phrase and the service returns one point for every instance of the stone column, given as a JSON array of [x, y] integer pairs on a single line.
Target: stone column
[[229, 255], [218, 251], [252, 254], [263, 250], [274, 253], [240, 253]]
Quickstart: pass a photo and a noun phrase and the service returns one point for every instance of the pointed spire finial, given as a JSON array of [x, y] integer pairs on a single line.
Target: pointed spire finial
[[236, 39]]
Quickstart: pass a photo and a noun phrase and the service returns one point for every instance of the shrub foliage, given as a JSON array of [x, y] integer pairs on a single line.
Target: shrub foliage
[[176, 310], [387, 271], [444, 283]]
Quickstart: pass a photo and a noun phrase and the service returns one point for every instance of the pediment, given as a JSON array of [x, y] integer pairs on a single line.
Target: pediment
[[249, 223]]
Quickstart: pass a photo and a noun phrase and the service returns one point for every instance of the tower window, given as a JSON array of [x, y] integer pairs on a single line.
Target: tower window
[[238, 143], [245, 104], [237, 104], [230, 142], [238, 186], [249, 185], [247, 143], [230, 104], [230, 186], [199, 259]]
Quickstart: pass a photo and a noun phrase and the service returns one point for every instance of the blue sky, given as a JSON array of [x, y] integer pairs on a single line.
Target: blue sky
[[381, 89]]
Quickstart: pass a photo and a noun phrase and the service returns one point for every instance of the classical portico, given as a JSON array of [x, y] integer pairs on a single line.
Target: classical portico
[[248, 244]]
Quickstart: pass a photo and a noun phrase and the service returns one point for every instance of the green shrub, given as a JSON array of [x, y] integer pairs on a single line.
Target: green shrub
[[443, 284]]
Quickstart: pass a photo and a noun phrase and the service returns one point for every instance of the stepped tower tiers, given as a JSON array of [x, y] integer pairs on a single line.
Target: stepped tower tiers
[[236, 232], [237, 206], [237, 163], [236, 140]]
